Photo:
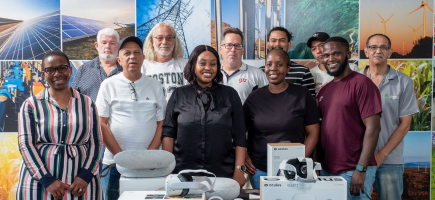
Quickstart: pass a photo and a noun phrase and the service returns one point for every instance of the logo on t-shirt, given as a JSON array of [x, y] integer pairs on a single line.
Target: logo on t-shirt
[[147, 98], [243, 80], [320, 98]]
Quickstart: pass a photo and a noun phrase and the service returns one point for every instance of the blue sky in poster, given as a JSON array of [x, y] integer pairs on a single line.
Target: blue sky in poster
[[146, 10], [27, 9], [417, 147], [230, 12]]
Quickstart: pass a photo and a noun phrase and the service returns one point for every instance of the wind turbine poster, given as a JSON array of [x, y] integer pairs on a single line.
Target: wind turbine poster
[[408, 24]]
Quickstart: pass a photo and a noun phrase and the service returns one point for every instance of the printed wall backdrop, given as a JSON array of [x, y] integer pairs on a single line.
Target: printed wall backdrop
[[29, 29]]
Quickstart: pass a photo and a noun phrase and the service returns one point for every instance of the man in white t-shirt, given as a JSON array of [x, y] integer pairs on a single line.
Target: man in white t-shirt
[[321, 77], [131, 109], [242, 77], [164, 57]]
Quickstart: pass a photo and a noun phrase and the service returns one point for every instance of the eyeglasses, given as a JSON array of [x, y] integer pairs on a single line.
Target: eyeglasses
[[133, 91], [51, 70], [374, 48], [167, 38], [230, 46]]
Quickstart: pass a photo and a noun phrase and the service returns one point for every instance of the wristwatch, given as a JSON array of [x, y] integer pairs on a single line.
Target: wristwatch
[[242, 168], [361, 168]]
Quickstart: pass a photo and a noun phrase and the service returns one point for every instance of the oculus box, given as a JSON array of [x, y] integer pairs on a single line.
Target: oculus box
[[277, 152], [325, 187]]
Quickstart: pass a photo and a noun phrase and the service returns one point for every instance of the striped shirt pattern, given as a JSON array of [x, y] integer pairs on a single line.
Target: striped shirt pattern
[[301, 75], [58, 144]]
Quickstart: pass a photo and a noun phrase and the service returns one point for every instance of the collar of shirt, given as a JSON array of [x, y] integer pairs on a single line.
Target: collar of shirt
[[392, 74], [44, 94], [244, 67]]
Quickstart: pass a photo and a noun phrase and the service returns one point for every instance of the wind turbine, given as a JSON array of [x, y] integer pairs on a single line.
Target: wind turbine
[[423, 5], [415, 33], [384, 27]]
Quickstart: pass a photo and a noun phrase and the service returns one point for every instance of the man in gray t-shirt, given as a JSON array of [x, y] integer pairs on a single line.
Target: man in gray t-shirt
[[398, 105]]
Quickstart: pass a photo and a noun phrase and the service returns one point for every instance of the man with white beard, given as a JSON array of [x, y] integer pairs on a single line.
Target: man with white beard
[[164, 57], [89, 76]]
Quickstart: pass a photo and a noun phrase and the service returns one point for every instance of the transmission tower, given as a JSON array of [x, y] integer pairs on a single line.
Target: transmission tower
[[173, 11]]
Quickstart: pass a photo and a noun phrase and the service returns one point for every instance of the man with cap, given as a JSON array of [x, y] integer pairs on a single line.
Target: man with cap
[[132, 108], [321, 77]]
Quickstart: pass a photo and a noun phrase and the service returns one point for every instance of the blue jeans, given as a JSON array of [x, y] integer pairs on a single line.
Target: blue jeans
[[255, 179], [368, 183], [389, 181], [110, 184]]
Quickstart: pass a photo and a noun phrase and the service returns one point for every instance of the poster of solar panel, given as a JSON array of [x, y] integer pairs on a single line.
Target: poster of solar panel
[[187, 16], [29, 29], [82, 19]]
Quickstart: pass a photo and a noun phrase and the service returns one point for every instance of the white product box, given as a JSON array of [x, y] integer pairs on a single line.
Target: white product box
[[326, 187], [277, 152], [141, 184]]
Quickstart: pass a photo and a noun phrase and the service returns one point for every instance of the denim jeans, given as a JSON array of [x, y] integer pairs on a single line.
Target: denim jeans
[[368, 183], [110, 184], [389, 181], [255, 179]]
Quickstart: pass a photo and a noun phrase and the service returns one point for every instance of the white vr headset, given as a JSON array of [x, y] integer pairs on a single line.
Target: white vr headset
[[300, 169], [183, 183]]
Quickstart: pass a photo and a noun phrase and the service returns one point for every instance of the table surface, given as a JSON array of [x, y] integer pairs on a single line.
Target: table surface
[[245, 194]]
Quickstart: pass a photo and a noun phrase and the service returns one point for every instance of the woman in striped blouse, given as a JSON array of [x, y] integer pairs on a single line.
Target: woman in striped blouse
[[59, 139]]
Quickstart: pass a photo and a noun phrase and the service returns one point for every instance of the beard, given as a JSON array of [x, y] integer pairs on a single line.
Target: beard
[[340, 70], [164, 53], [107, 57]]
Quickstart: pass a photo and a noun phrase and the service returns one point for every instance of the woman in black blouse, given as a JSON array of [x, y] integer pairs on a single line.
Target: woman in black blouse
[[204, 126]]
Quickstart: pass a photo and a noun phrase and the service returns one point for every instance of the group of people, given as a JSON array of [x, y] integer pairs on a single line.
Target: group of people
[[212, 115]]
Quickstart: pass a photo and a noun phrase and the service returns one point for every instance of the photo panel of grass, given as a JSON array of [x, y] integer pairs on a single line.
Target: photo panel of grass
[[335, 17], [407, 23], [420, 72], [417, 159], [82, 19], [10, 158]]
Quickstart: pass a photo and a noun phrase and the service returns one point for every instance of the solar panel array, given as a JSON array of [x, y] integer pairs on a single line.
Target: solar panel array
[[31, 39], [75, 27]]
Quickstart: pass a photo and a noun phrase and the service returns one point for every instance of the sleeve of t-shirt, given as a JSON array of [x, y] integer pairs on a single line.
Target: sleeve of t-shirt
[[161, 104], [407, 101], [171, 119], [238, 123], [308, 82], [368, 99], [103, 100], [311, 112]]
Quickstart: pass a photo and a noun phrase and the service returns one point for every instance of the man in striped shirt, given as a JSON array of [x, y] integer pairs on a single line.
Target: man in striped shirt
[[280, 37]]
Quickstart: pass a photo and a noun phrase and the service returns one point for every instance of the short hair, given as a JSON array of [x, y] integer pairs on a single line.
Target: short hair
[[189, 69], [279, 28], [150, 53], [108, 32], [54, 53], [338, 39], [231, 30], [283, 53], [378, 34]]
